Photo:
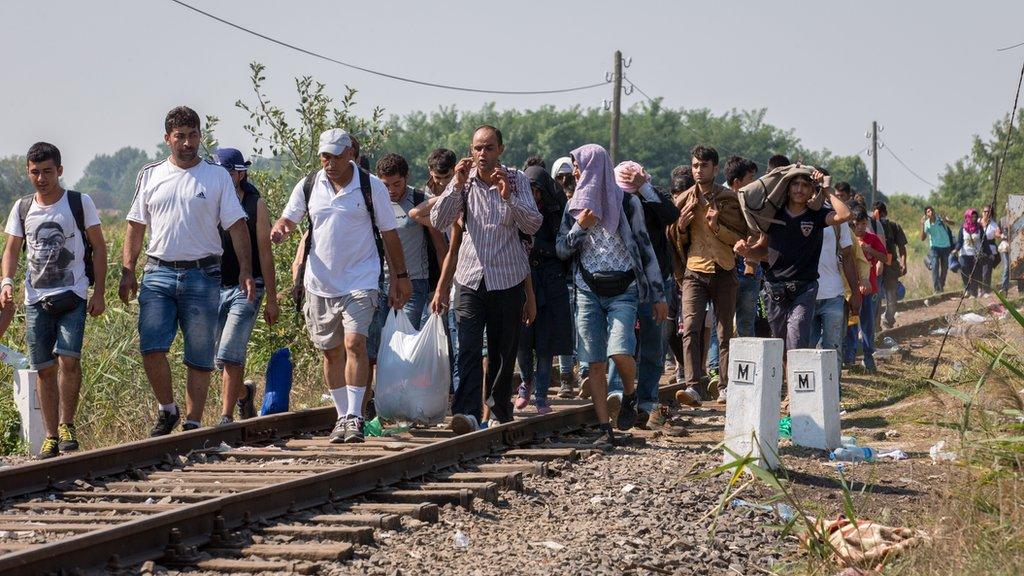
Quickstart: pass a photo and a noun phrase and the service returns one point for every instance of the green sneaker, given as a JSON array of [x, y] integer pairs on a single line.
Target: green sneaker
[[49, 449], [68, 440]]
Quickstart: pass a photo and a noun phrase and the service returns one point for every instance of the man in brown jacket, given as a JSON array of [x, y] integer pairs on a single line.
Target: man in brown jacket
[[710, 223]]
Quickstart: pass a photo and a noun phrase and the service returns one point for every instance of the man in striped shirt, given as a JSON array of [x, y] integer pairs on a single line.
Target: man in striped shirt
[[496, 205]]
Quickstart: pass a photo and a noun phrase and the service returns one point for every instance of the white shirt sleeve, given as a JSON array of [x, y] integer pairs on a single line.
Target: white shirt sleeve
[[92, 216], [385, 215], [296, 207], [231, 210], [845, 238], [138, 211], [14, 222]]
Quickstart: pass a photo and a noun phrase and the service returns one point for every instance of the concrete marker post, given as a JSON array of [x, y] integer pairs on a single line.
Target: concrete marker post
[[813, 383], [753, 399]]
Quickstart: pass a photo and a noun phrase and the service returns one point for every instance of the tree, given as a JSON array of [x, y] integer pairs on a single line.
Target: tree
[[110, 179], [14, 182]]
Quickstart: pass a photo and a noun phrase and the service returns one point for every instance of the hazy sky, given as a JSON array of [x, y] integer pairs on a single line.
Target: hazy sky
[[94, 76]]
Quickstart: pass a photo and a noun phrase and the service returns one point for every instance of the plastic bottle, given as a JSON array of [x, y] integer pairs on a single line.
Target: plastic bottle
[[847, 441], [373, 428], [461, 540], [13, 358], [853, 454]]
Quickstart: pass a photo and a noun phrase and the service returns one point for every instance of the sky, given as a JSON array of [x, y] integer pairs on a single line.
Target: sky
[[94, 76]]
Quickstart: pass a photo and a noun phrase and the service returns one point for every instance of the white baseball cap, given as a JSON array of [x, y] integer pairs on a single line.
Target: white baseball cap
[[561, 166], [334, 141]]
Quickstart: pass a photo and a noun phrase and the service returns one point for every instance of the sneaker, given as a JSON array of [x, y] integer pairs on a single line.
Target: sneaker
[[543, 408], [463, 424], [585, 387], [246, 406], [688, 397], [354, 430], [189, 426], [614, 406], [565, 390], [165, 423], [338, 433], [660, 421], [49, 449], [722, 395], [627, 415], [523, 399], [608, 433], [68, 438], [225, 420], [642, 416]]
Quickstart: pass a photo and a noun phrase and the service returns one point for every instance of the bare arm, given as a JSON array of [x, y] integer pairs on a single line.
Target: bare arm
[[451, 259], [401, 288], [852, 277], [421, 212], [97, 303], [272, 310], [9, 268], [840, 214], [133, 236], [239, 232]]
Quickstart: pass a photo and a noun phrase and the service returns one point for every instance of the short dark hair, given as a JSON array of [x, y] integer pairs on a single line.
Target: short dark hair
[[859, 214], [41, 152], [497, 133], [737, 167], [705, 154], [355, 149], [880, 206], [441, 160], [843, 187], [682, 178], [391, 165], [776, 161], [181, 117], [536, 160]]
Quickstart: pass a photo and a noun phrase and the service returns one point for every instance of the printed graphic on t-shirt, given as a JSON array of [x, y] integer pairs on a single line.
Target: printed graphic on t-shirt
[[49, 261]]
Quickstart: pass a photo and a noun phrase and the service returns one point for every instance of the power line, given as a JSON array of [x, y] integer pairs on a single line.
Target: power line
[[1005, 48], [379, 73], [888, 148]]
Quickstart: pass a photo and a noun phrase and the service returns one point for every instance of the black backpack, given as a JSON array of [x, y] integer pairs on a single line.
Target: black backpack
[[364, 186], [75, 202], [434, 269]]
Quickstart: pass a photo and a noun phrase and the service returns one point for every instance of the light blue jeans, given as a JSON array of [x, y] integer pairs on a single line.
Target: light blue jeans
[[650, 361], [827, 325]]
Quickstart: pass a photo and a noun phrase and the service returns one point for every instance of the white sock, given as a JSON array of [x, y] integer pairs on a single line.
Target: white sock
[[340, 400], [172, 408], [355, 400], [193, 422]]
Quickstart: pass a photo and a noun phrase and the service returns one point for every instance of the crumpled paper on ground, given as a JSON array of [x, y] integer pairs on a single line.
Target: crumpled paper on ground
[[867, 543]]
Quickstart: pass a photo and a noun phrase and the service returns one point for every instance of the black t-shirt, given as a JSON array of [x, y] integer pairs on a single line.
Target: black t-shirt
[[795, 246]]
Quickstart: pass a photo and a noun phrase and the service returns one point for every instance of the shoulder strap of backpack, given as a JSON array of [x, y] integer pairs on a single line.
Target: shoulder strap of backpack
[[307, 191], [418, 196], [365, 186], [24, 205], [78, 211]]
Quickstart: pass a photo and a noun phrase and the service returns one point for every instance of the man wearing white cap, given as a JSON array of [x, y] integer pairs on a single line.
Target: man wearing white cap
[[352, 229]]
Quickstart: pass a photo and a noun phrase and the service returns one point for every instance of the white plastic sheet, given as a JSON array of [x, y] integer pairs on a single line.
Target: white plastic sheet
[[413, 373]]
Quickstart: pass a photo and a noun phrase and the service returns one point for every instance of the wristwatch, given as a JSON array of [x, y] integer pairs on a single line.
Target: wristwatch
[[402, 275]]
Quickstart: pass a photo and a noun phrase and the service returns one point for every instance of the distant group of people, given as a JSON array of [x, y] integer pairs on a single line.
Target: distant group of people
[[587, 263]]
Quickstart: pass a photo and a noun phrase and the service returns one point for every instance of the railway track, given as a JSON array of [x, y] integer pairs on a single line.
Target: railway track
[[225, 490]]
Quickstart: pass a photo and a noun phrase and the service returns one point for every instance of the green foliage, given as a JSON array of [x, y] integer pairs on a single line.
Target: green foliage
[[969, 181], [110, 178], [14, 182]]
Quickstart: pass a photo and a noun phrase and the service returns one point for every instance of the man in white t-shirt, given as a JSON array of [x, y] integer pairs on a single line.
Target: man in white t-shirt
[[182, 200], [63, 232], [828, 325], [343, 269]]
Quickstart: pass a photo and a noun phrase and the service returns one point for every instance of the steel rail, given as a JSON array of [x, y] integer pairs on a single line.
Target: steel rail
[[193, 525]]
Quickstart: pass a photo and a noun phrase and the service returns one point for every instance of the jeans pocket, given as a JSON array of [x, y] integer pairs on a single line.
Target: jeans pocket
[[211, 272]]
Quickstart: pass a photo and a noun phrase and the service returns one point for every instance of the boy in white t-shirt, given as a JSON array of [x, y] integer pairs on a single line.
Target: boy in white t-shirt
[[62, 230]]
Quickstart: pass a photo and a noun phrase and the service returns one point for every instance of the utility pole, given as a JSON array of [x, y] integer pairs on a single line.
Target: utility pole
[[874, 161], [616, 105]]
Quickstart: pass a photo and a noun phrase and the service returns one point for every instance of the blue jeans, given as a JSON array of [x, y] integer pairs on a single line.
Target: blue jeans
[[713, 352], [170, 298], [827, 325], [539, 374], [1004, 282], [562, 363], [864, 334], [650, 361], [790, 315], [413, 309], [605, 324], [235, 321], [49, 336], [747, 294], [940, 268]]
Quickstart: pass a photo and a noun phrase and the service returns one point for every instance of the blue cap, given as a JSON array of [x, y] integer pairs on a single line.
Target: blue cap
[[231, 158]]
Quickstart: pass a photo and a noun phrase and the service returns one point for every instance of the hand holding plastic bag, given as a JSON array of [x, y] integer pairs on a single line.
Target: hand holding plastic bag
[[412, 370]]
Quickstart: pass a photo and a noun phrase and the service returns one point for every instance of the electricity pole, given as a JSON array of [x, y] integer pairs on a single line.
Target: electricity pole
[[616, 105], [874, 161]]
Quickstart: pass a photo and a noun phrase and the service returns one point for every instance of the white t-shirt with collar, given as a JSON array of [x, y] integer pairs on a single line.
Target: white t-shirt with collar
[[344, 256], [183, 207], [830, 274], [55, 249]]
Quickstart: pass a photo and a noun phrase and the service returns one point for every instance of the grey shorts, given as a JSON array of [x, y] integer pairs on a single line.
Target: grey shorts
[[329, 319]]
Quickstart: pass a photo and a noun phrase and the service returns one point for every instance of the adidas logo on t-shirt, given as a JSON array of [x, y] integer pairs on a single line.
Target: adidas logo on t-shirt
[[200, 194]]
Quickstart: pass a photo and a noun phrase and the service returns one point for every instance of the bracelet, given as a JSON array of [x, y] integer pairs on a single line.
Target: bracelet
[[402, 275], [7, 282]]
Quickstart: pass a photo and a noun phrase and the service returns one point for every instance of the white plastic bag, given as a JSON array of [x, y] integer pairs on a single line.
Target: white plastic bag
[[412, 371]]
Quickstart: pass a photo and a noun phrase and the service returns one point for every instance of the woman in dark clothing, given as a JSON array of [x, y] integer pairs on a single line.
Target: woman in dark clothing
[[972, 245], [551, 334]]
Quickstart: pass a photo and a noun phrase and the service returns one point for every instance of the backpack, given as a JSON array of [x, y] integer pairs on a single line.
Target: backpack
[[364, 186], [75, 202], [434, 274]]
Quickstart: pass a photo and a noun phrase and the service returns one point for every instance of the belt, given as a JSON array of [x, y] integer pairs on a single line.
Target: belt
[[201, 263]]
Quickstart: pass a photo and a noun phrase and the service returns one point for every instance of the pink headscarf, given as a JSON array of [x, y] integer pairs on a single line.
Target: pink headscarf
[[970, 225], [624, 172], [596, 190]]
